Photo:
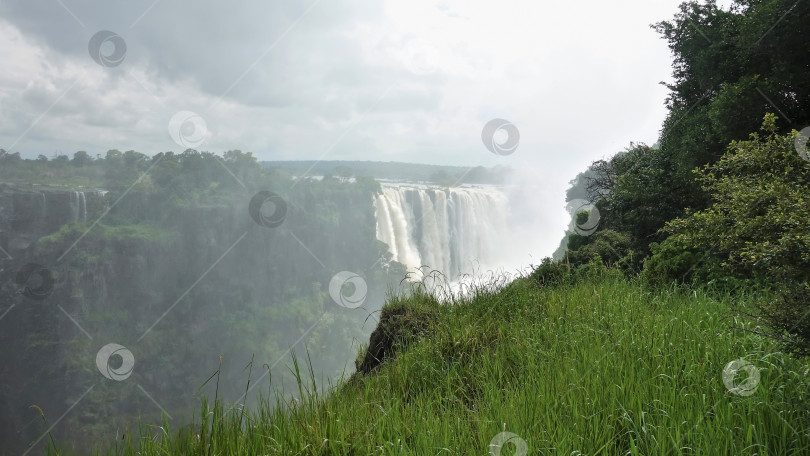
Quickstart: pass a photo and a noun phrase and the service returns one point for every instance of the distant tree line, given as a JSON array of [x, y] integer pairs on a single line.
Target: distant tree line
[[436, 174]]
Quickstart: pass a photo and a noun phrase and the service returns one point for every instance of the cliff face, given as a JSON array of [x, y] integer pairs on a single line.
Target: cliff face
[[34, 370], [25, 216], [178, 285]]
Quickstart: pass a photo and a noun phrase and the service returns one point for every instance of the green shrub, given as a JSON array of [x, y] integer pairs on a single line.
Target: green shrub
[[551, 273], [756, 230]]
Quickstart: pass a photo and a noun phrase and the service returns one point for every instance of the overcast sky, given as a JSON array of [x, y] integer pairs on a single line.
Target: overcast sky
[[337, 79]]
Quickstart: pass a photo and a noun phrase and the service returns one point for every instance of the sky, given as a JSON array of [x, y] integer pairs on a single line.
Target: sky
[[412, 81]]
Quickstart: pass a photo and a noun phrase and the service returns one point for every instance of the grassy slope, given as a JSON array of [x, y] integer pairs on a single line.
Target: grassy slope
[[600, 367]]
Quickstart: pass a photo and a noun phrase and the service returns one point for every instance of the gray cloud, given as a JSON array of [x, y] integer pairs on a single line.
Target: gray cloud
[[409, 81], [260, 53]]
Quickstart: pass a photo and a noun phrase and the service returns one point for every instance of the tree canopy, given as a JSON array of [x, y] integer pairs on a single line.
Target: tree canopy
[[711, 202]]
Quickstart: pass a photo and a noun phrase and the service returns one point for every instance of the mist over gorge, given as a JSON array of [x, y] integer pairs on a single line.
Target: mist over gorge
[[186, 265]]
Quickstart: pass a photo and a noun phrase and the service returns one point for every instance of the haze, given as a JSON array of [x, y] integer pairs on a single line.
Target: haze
[[344, 80]]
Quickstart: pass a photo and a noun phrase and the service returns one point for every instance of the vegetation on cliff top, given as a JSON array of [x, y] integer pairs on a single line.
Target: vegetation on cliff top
[[596, 364]]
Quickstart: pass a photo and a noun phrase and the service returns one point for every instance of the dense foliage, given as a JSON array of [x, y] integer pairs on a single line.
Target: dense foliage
[[744, 216], [169, 263], [756, 230]]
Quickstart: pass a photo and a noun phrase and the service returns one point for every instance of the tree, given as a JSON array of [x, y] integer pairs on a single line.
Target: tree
[[135, 159], [730, 67], [9, 158], [634, 196], [81, 158]]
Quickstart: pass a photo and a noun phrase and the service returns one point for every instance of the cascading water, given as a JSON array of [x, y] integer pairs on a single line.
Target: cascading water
[[450, 230], [78, 206], [44, 206]]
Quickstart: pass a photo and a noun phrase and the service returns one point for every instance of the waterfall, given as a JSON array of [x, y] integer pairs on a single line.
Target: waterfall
[[44, 206], [84, 206], [78, 206], [446, 229]]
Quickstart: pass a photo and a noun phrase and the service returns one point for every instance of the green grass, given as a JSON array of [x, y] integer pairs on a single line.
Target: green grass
[[603, 366]]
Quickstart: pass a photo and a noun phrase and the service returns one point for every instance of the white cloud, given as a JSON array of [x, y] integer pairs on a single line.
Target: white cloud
[[408, 81]]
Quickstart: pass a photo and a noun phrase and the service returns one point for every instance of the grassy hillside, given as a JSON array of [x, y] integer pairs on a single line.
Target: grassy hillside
[[600, 366]]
